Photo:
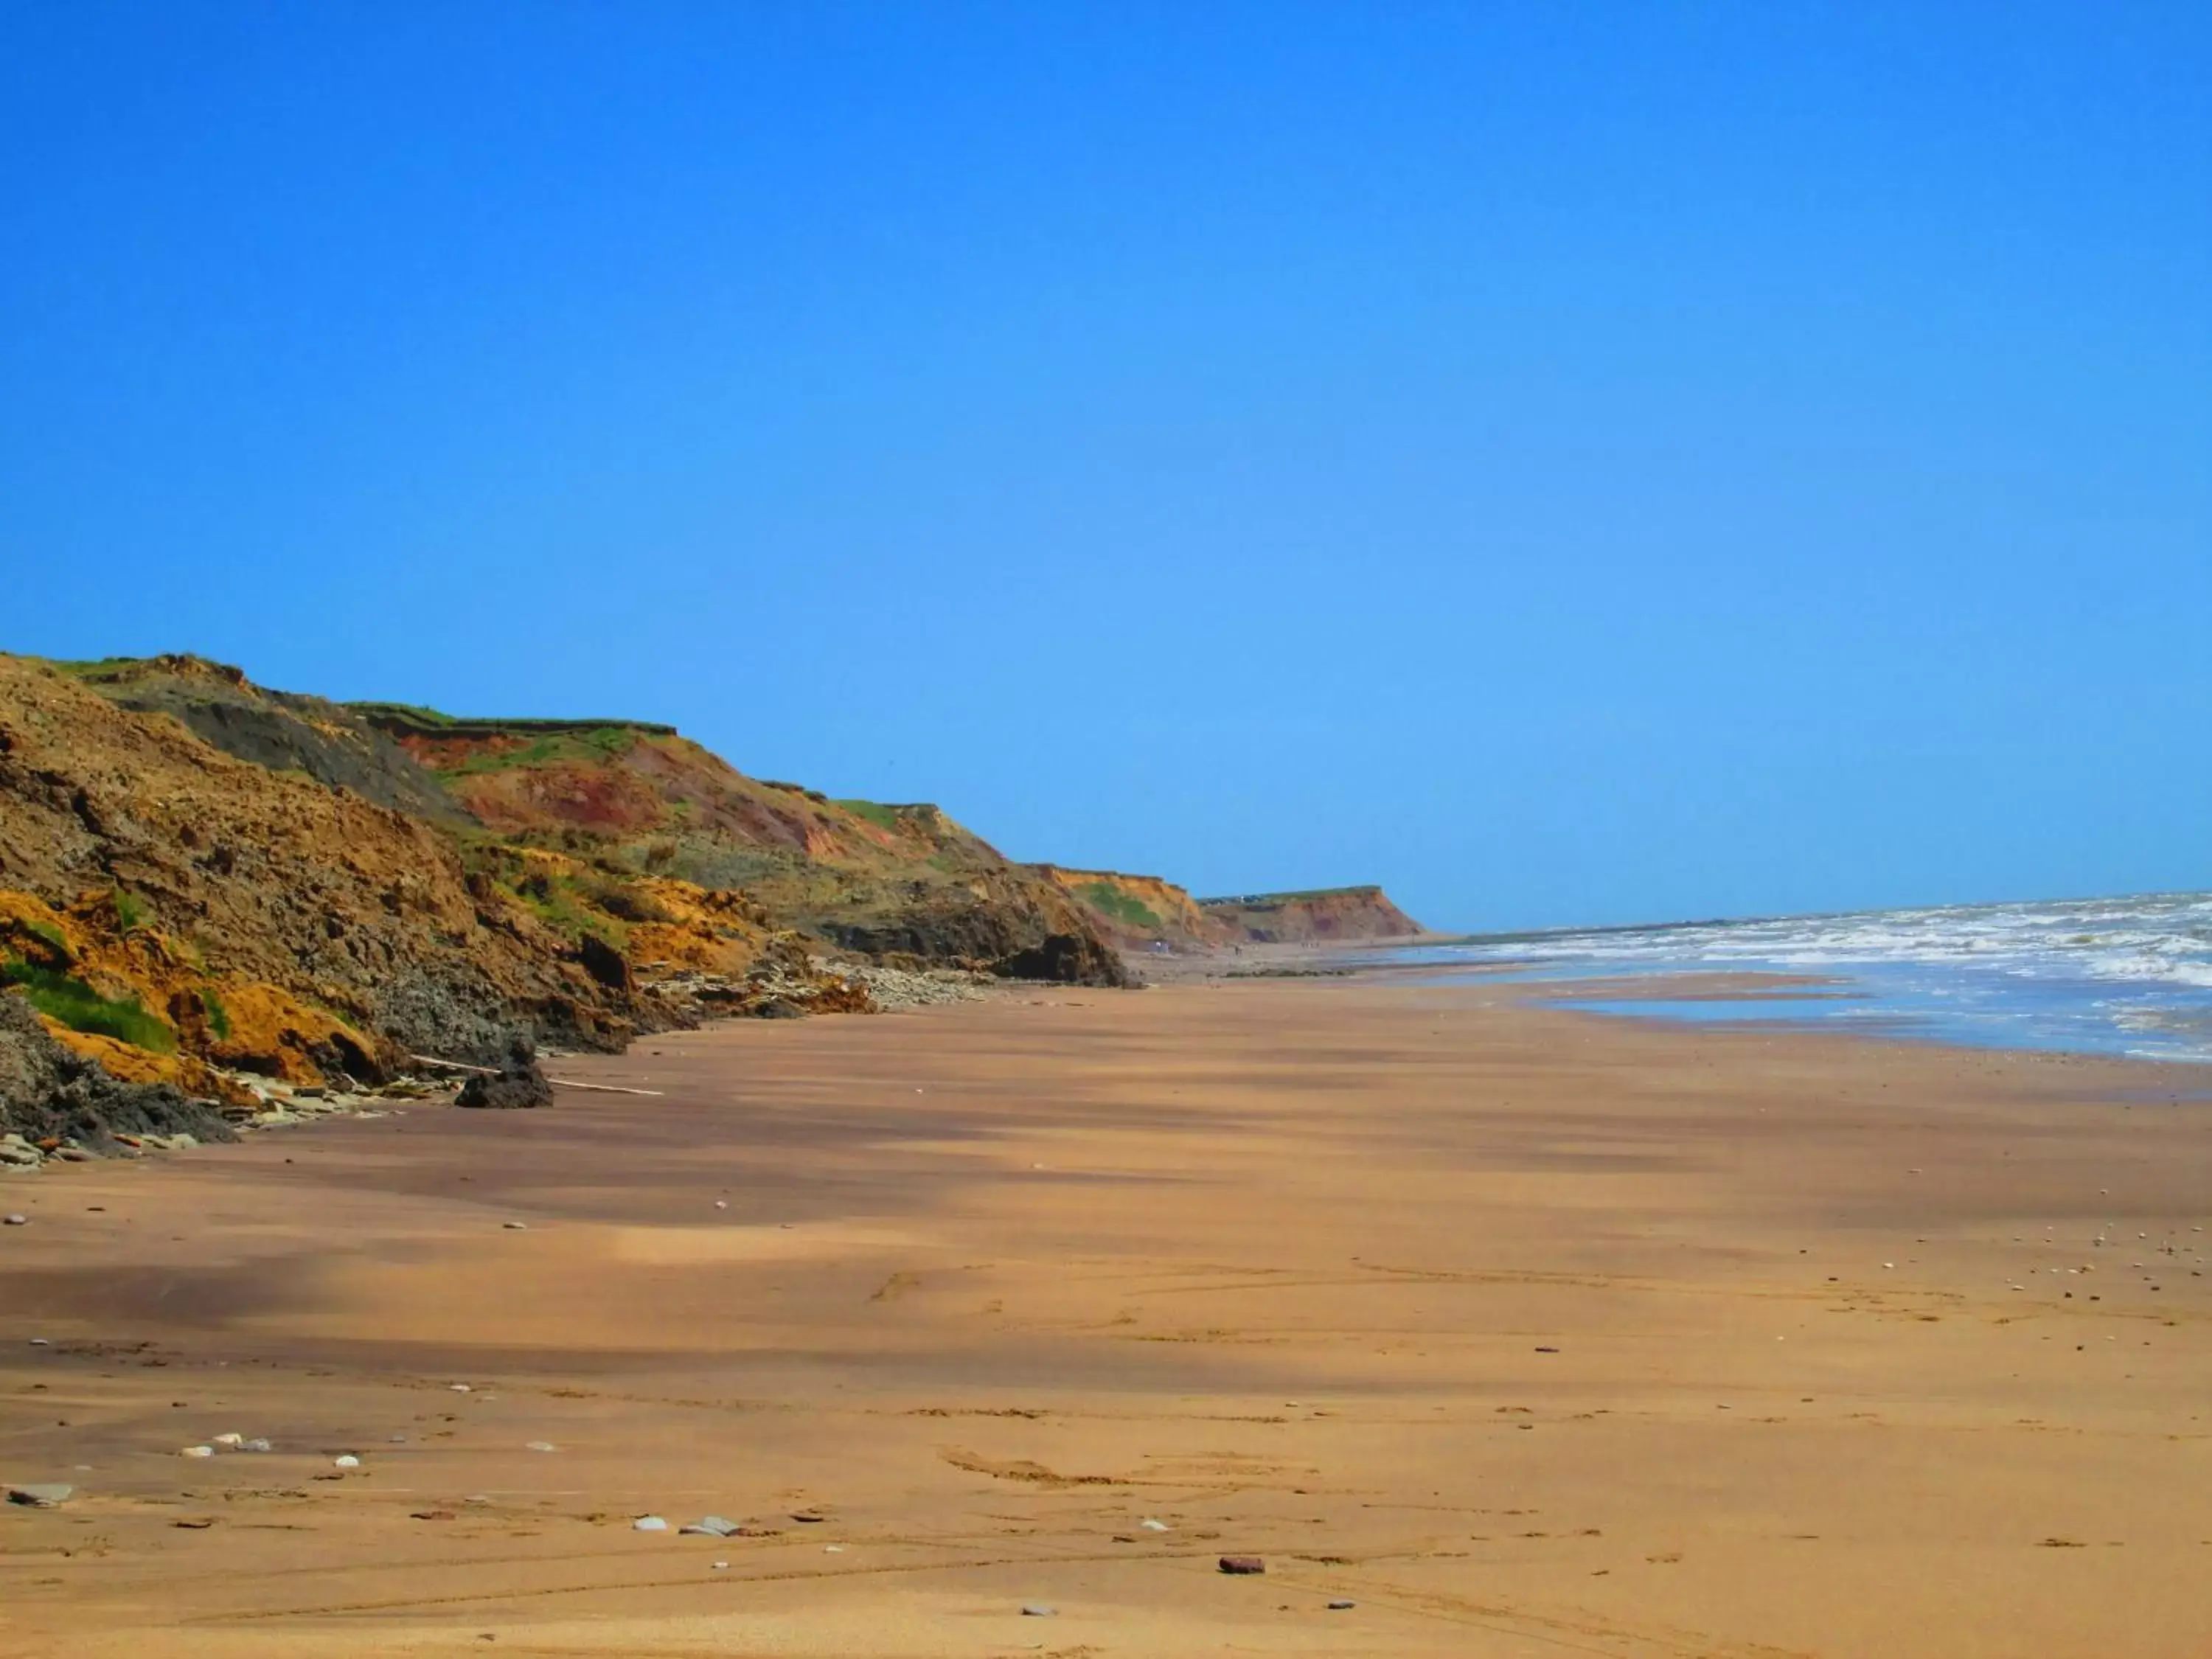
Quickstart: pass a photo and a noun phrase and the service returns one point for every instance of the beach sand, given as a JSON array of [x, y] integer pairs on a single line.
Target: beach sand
[[1527, 1332]]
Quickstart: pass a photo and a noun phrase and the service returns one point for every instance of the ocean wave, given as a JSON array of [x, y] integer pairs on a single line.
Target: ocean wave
[[2081, 973]]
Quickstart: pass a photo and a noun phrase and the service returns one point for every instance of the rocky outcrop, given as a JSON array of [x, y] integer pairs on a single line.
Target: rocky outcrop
[[1067, 959], [517, 1085], [51, 1097], [1356, 914]]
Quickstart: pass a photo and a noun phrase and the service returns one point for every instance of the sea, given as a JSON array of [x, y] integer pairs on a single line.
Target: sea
[[2108, 976]]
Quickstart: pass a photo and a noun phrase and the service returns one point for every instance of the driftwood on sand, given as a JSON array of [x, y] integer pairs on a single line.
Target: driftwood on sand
[[561, 1082]]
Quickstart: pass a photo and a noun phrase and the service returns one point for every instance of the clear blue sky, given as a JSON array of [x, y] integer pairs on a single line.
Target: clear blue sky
[[1569, 462]]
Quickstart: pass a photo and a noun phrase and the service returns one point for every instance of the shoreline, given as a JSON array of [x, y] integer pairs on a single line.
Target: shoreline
[[1688, 984], [1511, 1324]]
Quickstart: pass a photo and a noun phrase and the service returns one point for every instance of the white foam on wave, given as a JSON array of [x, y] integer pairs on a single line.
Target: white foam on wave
[[2078, 971]]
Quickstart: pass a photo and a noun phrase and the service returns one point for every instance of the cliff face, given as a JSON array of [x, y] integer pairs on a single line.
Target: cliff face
[[1140, 910], [148, 868], [1327, 913], [200, 876], [898, 881], [197, 872], [1135, 910]]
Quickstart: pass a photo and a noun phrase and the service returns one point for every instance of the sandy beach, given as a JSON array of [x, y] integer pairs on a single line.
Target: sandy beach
[[1524, 1332]]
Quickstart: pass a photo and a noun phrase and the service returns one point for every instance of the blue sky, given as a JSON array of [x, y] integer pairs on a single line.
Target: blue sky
[[1569, 462]]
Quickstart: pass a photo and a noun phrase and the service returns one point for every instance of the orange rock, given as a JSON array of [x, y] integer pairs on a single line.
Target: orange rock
[[130, 1064]]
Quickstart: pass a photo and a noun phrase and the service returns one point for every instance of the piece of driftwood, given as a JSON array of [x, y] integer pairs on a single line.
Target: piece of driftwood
[[558, 1082]]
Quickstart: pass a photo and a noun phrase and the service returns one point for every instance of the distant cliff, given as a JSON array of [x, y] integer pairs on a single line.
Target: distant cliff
[[1323, 913], [1146, 910]]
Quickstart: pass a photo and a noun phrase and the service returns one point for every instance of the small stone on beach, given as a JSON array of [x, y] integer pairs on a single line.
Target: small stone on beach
[[15, 1220], [1240, 1564], [346, 1460], [649, 1523], [40, 1497], [1038, 1610]]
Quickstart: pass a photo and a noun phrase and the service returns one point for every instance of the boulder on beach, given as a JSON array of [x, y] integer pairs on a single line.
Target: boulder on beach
[[517, 1085]]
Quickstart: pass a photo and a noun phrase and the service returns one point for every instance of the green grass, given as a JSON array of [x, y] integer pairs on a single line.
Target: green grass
[[218, 1017], [883, 816], [554, 901], [77, 1005], [598, 743], [51, 934], [1257, 899], [128, 911], [1110, 900], [410, 717]]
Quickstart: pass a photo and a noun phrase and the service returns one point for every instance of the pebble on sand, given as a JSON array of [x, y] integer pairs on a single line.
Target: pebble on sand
[[1342, 1607], [1038, 1610], [13, 1220], [40, 1497], [1240, 1564], [516, 1226], [649, 1523], [197, 1451], [232, 1441], [543, 1445], [346, 1460]]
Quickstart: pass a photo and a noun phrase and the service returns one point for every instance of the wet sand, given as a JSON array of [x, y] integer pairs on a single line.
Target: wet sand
[[1528, 1332]]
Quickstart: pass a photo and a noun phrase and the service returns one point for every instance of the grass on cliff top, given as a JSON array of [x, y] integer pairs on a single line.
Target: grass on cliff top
[[883, 816], [412, 717], [1110, 900], [77, 1005], [599, 743], [1366, 889]]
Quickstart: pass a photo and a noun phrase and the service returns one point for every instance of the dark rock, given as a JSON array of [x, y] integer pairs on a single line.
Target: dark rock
[[1242, 1564], [519, 1085], [604, 963], [1065, 959], [40, 1497]]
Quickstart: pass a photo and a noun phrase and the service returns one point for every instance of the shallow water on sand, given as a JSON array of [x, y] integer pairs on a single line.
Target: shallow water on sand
[[2117, 976]]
